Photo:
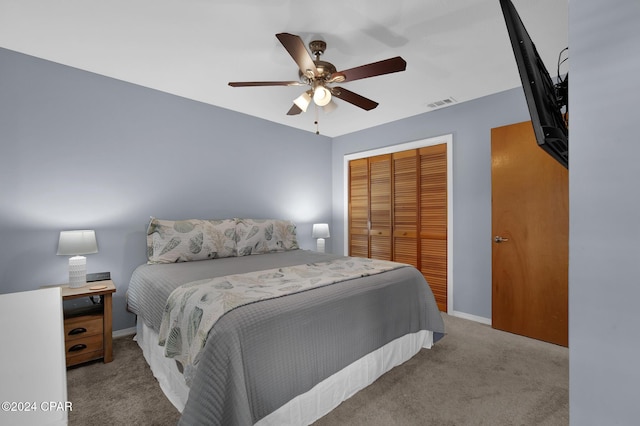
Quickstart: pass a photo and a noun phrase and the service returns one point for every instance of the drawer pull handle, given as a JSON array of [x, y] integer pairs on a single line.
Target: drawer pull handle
[[78, 347], [78, 330]]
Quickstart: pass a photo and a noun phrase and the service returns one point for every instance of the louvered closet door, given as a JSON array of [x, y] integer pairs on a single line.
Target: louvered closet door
[[380, 207], [405, 207], [359, 208], [433, 220]]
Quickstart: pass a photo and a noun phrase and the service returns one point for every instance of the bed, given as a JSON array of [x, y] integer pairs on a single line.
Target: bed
[[308, 331]]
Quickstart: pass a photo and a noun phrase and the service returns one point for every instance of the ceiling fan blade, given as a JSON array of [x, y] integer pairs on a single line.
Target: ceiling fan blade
[[299, 53], [373, 69], [295, 110], [354, 98], [263, 83]]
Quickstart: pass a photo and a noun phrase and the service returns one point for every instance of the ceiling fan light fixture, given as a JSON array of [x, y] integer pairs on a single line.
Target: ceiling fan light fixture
[[330, 107], [321, 96], [303, 101]]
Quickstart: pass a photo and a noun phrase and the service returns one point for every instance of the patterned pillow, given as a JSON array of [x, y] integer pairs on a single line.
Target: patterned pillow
[[170, 241], [256, 236]]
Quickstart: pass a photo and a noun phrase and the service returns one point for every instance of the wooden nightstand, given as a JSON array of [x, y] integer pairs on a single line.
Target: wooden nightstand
[[87, 330]]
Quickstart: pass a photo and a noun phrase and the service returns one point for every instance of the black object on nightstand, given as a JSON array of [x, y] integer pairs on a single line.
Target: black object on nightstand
[[98, 276]]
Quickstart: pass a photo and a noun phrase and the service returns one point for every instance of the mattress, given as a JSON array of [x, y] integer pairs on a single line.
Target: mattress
[[261, 356]]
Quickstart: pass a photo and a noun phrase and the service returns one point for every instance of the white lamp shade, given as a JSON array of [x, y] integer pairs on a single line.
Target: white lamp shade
[[72, 243], [320, 230], [330, 107], [303, 101]]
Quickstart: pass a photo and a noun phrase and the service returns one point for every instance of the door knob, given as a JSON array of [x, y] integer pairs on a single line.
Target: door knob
[[499, 239]]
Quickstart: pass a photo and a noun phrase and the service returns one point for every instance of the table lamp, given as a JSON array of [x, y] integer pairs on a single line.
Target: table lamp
[[320, 231], [75, 244]]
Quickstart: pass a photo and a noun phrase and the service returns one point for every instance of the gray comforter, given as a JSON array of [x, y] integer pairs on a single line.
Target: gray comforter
[[261, 355]]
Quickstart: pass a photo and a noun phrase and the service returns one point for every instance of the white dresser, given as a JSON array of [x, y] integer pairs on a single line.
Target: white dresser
[[33, 377]]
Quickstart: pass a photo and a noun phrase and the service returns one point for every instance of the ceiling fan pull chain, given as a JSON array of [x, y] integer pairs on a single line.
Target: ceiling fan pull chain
[[317, 119]]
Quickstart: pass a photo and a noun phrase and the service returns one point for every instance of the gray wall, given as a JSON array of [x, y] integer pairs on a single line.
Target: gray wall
[[604, 177], [470, 123], [78, 150], [130, 152]]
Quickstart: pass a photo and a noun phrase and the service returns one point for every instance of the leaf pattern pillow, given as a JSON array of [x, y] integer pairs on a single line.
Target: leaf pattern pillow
[[259, 236], [170, 241]]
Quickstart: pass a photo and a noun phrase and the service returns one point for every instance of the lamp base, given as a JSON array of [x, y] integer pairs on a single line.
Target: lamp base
[[320, 245], [77, 271]]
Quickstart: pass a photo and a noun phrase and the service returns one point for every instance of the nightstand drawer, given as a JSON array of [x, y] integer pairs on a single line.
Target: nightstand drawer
[[79, 327], [84, 349], [87, 344]]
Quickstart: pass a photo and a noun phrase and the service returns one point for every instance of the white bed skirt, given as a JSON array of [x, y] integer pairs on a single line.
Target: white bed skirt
[[308, 407]]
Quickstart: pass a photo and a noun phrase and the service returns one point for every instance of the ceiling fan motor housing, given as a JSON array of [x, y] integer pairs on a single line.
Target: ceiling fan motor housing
[[325, 69], [317, 47]]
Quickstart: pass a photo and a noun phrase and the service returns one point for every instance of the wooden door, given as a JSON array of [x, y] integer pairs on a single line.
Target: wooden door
[[530, 211], [359, 208], [380, 207], [405, 207], [433, 220]]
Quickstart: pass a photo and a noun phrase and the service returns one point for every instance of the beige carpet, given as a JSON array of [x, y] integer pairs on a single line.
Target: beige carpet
[[122, 392], [474, 376]]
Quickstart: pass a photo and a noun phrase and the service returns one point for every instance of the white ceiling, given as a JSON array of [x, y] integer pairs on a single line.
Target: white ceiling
[[193, 48]]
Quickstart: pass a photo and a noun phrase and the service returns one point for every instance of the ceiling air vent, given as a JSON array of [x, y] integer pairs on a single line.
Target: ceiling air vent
[[444, 102]]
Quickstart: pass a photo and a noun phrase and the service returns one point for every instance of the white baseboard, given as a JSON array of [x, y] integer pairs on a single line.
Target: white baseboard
[[124, 332], [471, 317]]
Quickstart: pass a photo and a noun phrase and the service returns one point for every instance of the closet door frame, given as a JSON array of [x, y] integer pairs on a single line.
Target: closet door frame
[[437, 140]]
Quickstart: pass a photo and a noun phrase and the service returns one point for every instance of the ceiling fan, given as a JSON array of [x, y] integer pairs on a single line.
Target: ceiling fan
[[321, 76]]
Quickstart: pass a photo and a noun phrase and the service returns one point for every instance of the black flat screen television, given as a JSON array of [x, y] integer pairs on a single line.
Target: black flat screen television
[[544, 98]]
